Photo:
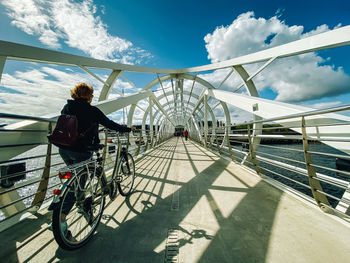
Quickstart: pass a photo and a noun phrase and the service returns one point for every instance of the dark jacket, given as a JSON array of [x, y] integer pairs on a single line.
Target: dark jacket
[[89, 117]]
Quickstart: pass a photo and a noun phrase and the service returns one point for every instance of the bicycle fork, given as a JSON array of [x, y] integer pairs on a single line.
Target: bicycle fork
[[124, 155]]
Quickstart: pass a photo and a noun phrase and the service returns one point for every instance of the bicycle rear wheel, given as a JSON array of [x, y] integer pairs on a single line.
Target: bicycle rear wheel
[[83, 215], [126, 174]]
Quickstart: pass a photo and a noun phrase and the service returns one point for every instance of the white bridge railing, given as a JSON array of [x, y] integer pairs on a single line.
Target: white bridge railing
[[27, 180], [296, 154]]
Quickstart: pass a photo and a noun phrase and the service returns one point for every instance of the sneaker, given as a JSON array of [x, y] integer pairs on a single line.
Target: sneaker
[[64, 228]]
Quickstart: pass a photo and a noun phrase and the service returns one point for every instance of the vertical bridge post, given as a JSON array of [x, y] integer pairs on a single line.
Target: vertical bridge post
[[315, 185]]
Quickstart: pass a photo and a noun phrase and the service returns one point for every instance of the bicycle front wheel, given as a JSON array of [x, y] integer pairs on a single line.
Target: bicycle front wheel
[[79, 212], [126, 174]]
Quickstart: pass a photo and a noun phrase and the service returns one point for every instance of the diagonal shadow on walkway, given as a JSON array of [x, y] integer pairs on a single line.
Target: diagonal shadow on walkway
[[241, 235], [244, 234]]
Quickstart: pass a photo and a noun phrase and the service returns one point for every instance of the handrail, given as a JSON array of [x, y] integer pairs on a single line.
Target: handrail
[[25, 117], [296, 115], [275, 162], [34, 200]]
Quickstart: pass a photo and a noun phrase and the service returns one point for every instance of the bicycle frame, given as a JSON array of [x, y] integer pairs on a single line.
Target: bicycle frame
[[84, 187], [97, 162], [67, 173]]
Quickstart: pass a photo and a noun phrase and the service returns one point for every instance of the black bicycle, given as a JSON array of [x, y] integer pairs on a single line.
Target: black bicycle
[[79, 203]]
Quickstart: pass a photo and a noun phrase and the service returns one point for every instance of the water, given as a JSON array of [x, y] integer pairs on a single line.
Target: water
[[290, 153], [28, 192]]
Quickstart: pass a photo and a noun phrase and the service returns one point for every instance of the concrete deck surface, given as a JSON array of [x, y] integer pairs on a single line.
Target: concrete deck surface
[[189, 205]]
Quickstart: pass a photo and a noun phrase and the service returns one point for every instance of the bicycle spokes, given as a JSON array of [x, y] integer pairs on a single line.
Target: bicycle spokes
[[82, 217]]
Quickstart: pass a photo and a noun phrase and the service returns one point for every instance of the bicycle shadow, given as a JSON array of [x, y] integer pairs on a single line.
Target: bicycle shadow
[[22, 234]]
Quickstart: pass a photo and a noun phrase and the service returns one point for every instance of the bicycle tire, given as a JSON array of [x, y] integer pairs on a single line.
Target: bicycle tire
[[79, 230], [126, 174]]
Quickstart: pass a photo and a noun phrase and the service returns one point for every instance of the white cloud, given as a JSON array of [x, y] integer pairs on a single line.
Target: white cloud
[[294, 79], [247, 34], [28, 16], [76, 23], [40, 91], [303, 78], [324, 105]]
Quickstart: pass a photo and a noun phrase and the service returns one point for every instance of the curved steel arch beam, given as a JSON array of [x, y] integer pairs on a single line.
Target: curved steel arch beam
[[199, 110], [173, 115], [195, 113], [257, 127], [170, 93], [177, 76], [155, 103], [107, 86], [170, 106], [243, 74], [169, 102], [131, 114], [206, 84]]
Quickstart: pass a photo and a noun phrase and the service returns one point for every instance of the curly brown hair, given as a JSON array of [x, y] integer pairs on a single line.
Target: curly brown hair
[[82, 91]]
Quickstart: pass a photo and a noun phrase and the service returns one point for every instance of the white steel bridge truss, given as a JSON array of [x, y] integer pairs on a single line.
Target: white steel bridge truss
[[179, 109], [172, 105]]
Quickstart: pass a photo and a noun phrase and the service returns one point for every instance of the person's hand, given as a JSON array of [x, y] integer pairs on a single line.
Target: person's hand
[[133, 128]]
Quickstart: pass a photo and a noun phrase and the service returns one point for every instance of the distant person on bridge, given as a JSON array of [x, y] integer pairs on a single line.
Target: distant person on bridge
[[186, 134], [89, 117]]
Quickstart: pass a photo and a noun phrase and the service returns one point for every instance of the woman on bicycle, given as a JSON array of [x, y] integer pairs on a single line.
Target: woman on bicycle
[[89, 117]]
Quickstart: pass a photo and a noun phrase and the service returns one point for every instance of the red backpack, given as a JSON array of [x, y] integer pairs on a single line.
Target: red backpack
[[66, 131]]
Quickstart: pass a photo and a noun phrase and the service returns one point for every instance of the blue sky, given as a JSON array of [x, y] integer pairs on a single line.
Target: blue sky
[[172, 34]]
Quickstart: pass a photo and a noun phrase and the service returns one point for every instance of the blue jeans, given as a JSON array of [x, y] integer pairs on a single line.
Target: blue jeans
[[70, 157]]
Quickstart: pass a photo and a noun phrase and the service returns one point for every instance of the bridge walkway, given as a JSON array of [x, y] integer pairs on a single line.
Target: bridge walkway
[[189, 205]]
